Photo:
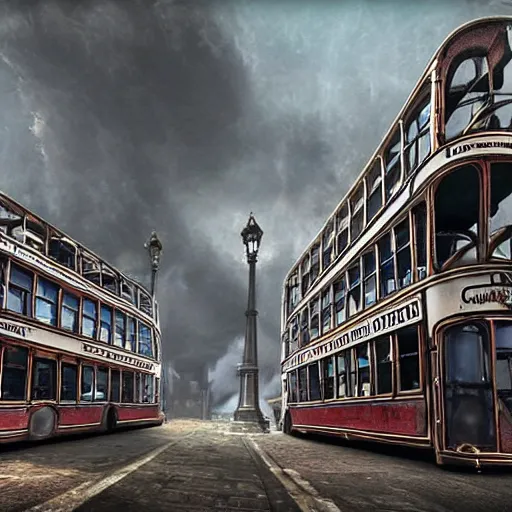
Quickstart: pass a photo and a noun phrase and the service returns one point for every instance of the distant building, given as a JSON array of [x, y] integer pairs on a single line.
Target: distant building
[[191, 397]]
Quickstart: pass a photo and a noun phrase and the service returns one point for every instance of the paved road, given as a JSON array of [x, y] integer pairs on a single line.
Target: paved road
[[195, 466]]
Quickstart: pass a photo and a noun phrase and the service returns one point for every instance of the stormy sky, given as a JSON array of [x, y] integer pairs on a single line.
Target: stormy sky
[[123, 116]]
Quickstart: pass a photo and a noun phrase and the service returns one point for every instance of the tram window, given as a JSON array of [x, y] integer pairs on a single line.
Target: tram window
[[109, 279], [315, 262], [145, 344], [339, 301], [420, 223], [387, 266], [456, 222], [68, 382], [374, 187], [501, 196], [44, 379], [392, 165], [293, 293], [351, 366], [101, 394], [127, 387], [314, 382], [328, 377], [314, 318], [87, 387], [363, 370], [303, 384], [466, 94], [403, 254], [295, 333], [305, 275], [326, 310], [292, 377], [383, 366], [19, 296], [354, 294], [69, 312], [357, 209], [504, 362], [157, 390], [106, 324], [147, 389], [115, 386], [370, 279], [89, 312], [14, 373], [46, 301], [131, 337], [128, 292], [145, 303], [137, 398], [91, 269], [342, 229], [417, 137], [35, 234], [286, 348], [63, 252], [120, 334], [408, 357], [304, 327], [342, 376], [467, 361], [327, 244], [3, 279]]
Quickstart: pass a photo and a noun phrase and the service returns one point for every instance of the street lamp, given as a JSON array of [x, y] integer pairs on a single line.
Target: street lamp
[[248, 409], [154, 247]]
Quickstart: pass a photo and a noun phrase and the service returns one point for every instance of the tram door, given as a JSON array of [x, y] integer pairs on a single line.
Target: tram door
[[465, 388]]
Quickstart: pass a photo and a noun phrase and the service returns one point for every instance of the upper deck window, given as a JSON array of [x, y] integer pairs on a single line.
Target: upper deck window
[[339, 301], [326, 310], [304, 327], [46, 301], [500, 228], [370, 278], [392, 164], [120, 333], [145, 345], [374, 190], [305, 267], [417, 137], [456, 221], [145, 303], [314, 318], [315, 262], [19, 297], [63, 252], [106, 324], [327, 244], [479, 88], [357, 209], [128, 292], [91, 269], [69, 312], [342, 229], [9, 219], [387, 266], [354, 293], [403, 254], [109, 280], [293, 292], [89, 315], [35, 234], [295, 333]]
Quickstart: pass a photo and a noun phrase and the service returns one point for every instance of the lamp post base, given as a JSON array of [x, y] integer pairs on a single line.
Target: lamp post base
[[250, 427]]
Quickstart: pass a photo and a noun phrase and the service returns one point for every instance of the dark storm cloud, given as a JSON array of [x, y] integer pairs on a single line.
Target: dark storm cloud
[[119, 117]]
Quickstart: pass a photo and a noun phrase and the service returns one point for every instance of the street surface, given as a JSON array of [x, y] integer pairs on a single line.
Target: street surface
[[191, 465]]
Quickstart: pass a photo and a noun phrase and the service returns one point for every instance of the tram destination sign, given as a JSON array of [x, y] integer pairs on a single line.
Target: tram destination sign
[[405, 314], [115, 356]]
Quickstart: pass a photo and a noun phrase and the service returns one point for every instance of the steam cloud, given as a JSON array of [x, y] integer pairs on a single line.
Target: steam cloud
[[119, 117]]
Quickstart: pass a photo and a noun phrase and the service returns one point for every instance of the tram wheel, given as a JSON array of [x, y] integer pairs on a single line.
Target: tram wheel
[[110, 420], [287, 424], [42, 424]]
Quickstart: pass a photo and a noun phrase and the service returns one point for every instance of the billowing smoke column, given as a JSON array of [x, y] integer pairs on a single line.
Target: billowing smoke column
[[120, 117]]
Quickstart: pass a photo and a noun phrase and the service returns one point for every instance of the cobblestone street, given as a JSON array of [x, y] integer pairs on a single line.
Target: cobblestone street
[[196, 466]]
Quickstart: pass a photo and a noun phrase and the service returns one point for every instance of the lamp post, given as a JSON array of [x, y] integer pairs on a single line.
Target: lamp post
[[248, 409], [154, 247]]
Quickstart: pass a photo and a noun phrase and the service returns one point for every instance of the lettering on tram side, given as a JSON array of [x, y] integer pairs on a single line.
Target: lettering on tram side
[[114, 356], [383, 323], [487, 294], [464, 148], [19, 330]]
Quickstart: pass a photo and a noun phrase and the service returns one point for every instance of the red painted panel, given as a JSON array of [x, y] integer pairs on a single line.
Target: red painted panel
[[80, 415], [404, 417], [137, 413], [505, 433], [13, 419]]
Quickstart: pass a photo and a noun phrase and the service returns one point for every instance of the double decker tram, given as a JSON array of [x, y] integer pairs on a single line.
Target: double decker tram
[[396, 320], [79, 341]]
